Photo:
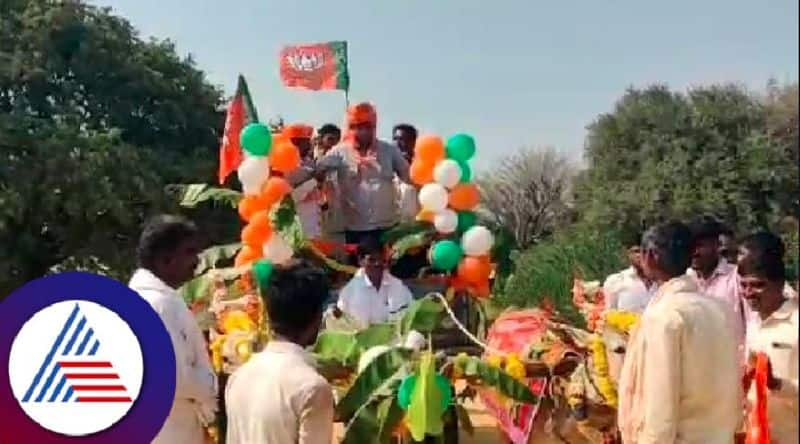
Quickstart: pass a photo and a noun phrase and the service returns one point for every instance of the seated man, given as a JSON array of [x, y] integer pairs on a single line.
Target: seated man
[[278, 397], [373, 295]]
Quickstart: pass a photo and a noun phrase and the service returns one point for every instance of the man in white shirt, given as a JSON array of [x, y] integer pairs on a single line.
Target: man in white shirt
[[630, 289], [680, 382], [373, 295], [774, 331], [167, 256], [277, 397]]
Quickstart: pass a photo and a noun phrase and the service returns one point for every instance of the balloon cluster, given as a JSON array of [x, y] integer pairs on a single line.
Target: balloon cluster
[[448, 199], [264, 154]]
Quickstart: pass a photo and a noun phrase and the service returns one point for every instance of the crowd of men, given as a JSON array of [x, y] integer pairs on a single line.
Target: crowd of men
[[686, 365]]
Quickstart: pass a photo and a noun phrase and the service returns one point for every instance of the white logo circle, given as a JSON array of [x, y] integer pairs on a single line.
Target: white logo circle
[[75, 368]]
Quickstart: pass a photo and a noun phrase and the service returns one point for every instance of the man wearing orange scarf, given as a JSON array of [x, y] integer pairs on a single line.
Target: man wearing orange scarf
[[307, 194], [365, 170]]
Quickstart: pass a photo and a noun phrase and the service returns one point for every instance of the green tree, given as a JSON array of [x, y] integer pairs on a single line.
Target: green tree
[[662, 154], [94, 122]]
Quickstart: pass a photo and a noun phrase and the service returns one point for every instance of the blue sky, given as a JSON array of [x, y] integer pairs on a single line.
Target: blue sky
[[512, 73]]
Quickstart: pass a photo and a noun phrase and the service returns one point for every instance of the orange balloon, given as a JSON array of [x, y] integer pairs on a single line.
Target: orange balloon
[[275, 190], [249, 205], [426, 216], [247, 255], [483, 290], [256, 232], [429, 149], [474, 270], [464, 196], [421, 172], [284, 157]]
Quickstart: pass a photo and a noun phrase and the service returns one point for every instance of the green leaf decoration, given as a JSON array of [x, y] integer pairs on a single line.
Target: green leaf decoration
[[340, 347], [423, 315], [411, 241], [425, 410], [196, 289], [499, 380], [286, 222], [374, 335], [464, 421], [194, 194], [393, 235], [374, 423], [210, 257], [381, 377]]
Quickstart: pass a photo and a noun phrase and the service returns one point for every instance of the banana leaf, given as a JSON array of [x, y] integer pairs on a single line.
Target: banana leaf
[[375, 422], [197, 289], [376, 334], [425, 410], [380, 378], [210, 257], [194, 194], [390, 237], [411, 241], [423, 315], [340, 347], [286, 222], [499, 380]]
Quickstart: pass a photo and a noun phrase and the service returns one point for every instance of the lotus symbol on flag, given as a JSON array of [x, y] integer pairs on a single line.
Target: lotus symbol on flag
[[303, 61]]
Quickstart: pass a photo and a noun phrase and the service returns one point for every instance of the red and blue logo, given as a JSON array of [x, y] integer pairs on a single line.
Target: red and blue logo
[[88, 361]]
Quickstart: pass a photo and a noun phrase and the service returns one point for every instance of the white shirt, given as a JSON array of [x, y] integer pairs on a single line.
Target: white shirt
[[307, 199], [627, 291], [777, 336], [277, 397], [368, 305], [196, 383]]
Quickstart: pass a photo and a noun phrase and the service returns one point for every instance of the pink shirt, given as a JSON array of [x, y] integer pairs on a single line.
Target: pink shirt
[[723, 284]]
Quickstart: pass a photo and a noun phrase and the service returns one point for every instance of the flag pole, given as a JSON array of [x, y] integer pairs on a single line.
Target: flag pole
[[346, 98]]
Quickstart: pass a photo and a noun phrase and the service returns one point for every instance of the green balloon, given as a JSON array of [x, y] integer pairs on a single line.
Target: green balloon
[[466, 171], [405, 390], [256, 139], [461, 147], [443, 384], [262, 270], [466, 220], [446, 255]]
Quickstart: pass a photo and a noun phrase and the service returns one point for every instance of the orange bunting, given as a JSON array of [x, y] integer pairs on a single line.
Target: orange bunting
[[421, 172], [284, 158], [464, 197], [429, 150], [246, 256], [275, 190]]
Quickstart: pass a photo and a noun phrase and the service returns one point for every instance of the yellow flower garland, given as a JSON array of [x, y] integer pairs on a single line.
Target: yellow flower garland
[[621, 320], [600, 364]]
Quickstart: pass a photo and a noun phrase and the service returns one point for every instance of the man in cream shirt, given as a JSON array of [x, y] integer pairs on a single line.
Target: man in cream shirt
[[278, 397], [773, 331], [167, 256], [681, 380]]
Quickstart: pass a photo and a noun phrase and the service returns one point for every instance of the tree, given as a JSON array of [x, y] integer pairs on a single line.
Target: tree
[[94, 122], [662, 154], [528, 193]]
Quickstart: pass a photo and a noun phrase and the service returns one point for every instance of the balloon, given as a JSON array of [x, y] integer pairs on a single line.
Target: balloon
[[475, 270], [466, 171], [460, 147], [447, 173], [246, 255], [256, 139], [433, 197], [257, 231], [262, 270], [407, 388], [249, 205], [285, 158], [421, 172], [477, 241], [464, 196], [275, 190], [483, 290], [252, 173], [466, 220], [426, 216], [429, 149], [445, 255], [277, 250], [446, 221]]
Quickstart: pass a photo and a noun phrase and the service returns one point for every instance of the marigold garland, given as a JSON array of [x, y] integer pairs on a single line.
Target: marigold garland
[[621, 320], [600, 366]]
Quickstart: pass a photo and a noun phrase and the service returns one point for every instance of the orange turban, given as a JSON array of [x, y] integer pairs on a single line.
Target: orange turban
[[361, 113], [298, 131]]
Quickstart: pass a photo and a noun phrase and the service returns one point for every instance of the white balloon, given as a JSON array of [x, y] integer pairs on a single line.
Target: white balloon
[[433, 197], [277, 250], [477, 241], [446, 221], [253, 172], [447, 173]]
